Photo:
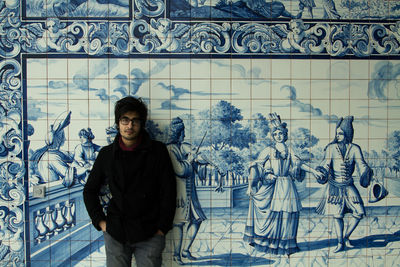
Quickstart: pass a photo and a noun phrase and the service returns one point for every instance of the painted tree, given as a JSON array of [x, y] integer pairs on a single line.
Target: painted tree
[[154, 131], [393, 149], [384, 162], [225, 136], [259, 127], [301, 142]]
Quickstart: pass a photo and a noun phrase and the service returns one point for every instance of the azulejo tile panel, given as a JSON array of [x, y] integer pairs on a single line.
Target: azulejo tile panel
[[224, 68]]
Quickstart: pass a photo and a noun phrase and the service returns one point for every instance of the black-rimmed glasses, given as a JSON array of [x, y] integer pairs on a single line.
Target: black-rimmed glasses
[[126, 121]]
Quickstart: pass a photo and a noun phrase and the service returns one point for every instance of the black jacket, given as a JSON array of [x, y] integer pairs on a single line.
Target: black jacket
[[140, 205]]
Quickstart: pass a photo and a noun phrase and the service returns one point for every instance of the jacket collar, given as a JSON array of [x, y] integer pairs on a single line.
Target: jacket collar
[[144, 145], [344, 156]]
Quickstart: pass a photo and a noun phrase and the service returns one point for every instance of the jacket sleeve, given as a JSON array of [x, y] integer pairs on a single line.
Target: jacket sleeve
[[167, 192], [364, 170], [325, 165], [92, 189], [181, 166]]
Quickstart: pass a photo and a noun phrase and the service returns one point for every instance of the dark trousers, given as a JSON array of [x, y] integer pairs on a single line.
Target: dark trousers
[[147, 253]]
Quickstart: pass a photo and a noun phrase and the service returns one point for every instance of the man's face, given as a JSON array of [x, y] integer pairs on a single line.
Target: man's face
[[129, 126], [339, 135], [182, 136]]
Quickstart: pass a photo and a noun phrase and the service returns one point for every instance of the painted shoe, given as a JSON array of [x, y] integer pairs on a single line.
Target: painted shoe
[[178, 259], [186, 254], [347, 243], [339, 247]]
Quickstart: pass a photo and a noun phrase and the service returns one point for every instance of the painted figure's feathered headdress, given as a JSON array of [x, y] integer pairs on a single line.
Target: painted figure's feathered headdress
[[275, 122]]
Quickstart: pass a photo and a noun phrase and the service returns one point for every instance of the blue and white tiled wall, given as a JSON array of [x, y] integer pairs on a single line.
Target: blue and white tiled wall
[[222, 67]]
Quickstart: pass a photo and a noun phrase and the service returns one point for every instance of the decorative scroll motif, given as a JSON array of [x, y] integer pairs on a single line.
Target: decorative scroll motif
[[9, 32], [12, 168], [164, 36], [54, 220], [149, 8], [279, 38]]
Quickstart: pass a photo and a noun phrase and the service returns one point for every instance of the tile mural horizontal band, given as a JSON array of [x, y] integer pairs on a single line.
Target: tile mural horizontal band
[[163, 36]]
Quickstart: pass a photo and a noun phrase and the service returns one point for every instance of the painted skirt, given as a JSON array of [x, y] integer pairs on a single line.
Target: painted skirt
[[270, 231]]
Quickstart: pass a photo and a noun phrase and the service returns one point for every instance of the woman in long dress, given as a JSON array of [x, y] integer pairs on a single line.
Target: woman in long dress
[[274, 206]]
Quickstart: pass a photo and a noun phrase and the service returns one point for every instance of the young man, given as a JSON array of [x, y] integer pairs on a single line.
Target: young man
[[142, 183]]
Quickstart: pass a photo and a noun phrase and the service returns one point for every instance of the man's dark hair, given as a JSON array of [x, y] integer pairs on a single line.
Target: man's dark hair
[[130, 104]]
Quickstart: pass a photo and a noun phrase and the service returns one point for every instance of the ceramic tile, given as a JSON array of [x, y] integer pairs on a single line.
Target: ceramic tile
[[320, 69], [39, 87], [378, 109], [181, 69], [359, 70], [300, 69], [161, 89], [340, 89], [320, 89], [38, 69], [280, 69], [159, 69], [358, 89], [241, 89], [340, 69], [391, 124], [303, 88], [57, 69], [221, 88], [260, 89]]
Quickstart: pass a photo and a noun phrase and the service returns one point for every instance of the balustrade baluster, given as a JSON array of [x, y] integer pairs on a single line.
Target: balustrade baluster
[[68, 214], [49, 221], [40, 226], [60, 219]]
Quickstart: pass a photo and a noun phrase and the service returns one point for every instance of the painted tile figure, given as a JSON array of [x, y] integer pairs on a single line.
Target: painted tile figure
[[274, 9], [49, 163], [188, 209], [167, 35], [295, 36], [84, 155], [341, 196], [330, 11], [309, 4], [55, 30], [274, 207], [62, 8]]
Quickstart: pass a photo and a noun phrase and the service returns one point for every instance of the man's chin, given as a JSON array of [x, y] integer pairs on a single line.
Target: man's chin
[[130, 137]]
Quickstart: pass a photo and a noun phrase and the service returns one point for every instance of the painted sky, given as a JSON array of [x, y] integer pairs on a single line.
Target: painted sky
[[306, 93]]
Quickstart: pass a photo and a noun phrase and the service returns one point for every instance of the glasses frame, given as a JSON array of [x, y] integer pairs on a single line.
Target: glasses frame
[[125, 121]]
